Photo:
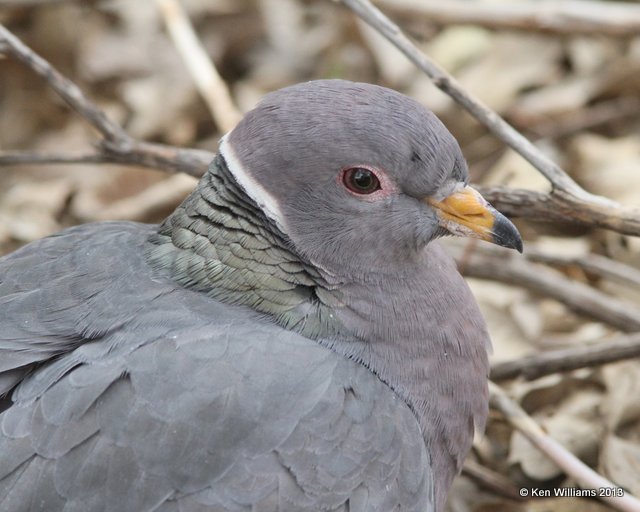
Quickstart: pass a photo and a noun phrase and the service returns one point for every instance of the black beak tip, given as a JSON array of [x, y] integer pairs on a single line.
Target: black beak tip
[[506, 234]]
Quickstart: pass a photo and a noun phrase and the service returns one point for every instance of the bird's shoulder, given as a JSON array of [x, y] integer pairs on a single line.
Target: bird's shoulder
[[66, 289], [142, 383], [228, 419]]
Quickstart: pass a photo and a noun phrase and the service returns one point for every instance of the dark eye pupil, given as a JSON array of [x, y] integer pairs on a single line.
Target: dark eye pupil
[[362, 181]]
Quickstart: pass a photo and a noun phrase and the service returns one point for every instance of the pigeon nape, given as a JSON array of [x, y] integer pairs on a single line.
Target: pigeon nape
[[291, 338]]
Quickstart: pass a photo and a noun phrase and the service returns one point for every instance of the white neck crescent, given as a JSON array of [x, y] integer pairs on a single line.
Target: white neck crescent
[[252, 188]]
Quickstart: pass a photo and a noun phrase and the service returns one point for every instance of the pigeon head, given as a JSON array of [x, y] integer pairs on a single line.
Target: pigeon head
[[359, 177]]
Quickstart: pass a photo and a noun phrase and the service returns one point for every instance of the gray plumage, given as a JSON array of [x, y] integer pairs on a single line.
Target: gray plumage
[[322, 356]]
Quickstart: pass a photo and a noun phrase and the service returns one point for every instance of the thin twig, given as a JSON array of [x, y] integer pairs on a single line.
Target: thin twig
[[562, 208], [546, 363], [157, 156], [65, 88], [566, 17], [487, 262], [141, 154], [565, 191], [564, 459], [115, 146], [212, 88], [32, 157], [592, 263]]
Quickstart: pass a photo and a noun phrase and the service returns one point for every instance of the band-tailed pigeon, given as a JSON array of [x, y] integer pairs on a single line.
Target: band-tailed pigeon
[[289, 339]]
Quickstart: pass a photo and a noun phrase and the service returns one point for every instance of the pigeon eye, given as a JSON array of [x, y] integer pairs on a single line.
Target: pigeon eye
[[361, 180]]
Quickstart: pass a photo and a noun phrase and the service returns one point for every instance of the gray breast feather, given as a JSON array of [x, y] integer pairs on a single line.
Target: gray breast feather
[[137, 395]]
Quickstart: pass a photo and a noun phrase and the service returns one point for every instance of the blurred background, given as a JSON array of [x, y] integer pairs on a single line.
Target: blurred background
[[574, 91]]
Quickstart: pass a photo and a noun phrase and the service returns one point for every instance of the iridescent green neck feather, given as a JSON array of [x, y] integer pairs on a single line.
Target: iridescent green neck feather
[[219, 242]]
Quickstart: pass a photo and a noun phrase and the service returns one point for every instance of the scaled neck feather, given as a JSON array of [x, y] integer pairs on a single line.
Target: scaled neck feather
[[220, 242]]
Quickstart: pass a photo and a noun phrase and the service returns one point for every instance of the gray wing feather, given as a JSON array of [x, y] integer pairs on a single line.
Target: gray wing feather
[[159, 398]]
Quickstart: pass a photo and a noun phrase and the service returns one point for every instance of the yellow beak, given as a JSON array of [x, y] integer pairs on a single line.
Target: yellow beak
[[467, 213]]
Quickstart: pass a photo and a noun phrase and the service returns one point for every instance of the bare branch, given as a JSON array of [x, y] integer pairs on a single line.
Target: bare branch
[[566, 17], [591, 263], [158, 156], [488, 262], [116, 146], [33, 157], [565, 192], [66, 89], [172, 159], [208, 81], [561, 207], [546, 363], [569, 463]]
